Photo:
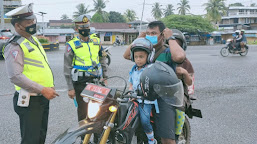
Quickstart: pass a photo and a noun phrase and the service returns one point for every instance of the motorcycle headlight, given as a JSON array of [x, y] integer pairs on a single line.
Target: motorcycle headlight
[[93, 108]]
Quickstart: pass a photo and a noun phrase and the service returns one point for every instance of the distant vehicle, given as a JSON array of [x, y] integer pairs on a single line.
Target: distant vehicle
[[5, 35], [230, 49]]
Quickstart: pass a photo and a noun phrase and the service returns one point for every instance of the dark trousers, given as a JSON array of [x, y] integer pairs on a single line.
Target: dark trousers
[[238, 47], [79, 87], [33, 119]]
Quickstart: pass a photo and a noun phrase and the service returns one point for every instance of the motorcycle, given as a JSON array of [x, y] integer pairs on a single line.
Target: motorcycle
[[230, 48], [112, 115], [118, 43], [107, 54]]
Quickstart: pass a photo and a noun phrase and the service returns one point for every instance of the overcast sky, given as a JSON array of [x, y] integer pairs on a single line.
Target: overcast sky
[[56, 8]]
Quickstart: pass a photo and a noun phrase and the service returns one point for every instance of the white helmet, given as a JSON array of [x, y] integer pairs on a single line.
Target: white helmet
[[237, 32]]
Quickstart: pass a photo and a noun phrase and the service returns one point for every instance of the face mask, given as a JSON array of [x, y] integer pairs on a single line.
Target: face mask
[[32, 29], [84, 32], [152, 39]]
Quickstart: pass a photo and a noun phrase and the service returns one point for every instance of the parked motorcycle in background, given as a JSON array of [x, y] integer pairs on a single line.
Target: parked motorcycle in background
[[230, 49], [107, 54]]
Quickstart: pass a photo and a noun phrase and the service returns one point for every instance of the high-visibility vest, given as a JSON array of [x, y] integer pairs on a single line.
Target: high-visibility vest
[[86, 53], [36, 66]]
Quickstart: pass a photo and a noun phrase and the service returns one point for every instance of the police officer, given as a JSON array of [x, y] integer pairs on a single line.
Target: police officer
[[82, 63], [28, 69]]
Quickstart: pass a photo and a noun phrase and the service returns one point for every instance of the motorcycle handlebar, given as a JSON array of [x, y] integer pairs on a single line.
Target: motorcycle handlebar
[[124, 98]]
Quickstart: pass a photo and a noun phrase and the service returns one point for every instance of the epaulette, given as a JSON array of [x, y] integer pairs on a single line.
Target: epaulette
[[13, 39]]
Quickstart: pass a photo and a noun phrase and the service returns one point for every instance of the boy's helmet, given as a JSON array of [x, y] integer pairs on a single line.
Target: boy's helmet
[[142, 44], [179, 35], [160, 80]]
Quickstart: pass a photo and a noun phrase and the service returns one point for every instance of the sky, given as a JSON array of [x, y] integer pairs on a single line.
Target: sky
[[56, 8]]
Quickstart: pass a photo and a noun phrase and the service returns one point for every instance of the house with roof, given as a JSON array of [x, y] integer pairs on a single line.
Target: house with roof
[[57, 35], [9, 5], [108, 32], [239, 18], [61, 23]]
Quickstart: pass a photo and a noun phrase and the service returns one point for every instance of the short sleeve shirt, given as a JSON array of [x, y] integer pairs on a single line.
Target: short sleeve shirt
[[165, 56], [134, 76]]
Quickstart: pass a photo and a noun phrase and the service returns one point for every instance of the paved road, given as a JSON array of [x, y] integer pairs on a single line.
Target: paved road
[[225, 87]]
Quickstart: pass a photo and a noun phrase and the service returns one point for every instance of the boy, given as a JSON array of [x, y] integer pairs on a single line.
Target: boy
[[142, 53]]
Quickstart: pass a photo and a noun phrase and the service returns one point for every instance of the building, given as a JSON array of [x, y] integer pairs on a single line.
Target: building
[[108, 32], [239, 18], [57, 35], [8, 6], [61, 23]]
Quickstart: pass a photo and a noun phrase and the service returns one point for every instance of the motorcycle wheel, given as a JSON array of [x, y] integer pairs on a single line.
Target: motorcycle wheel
[[108, 60], [185, 136], [224, 52], [244, 53]]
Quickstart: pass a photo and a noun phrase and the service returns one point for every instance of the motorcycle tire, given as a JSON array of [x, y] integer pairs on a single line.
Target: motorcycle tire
[[185, 136], [108, 60], [224, 52], [244, 53]]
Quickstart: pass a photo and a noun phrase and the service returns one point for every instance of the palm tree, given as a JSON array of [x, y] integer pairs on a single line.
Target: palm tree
[[215, 9], [82, 9], [64, 17], [130, 15], [183, 7], [99, 6], [169, 10], [157, 11]]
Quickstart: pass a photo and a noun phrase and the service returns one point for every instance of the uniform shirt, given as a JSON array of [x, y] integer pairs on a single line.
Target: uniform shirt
[[68, 65], [14, 61]]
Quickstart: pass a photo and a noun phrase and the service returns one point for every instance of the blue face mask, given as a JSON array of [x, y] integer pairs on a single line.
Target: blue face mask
[[152, 39]]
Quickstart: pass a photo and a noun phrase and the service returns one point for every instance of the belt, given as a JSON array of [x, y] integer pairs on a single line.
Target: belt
[[86, 74], [32, 94]]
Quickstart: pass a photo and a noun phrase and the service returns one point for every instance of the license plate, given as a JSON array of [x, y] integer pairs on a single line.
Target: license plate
[[97, 89], [96, 92]]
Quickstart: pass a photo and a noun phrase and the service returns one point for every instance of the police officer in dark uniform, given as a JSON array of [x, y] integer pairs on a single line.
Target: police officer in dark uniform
[[82, 62], [28, 68]]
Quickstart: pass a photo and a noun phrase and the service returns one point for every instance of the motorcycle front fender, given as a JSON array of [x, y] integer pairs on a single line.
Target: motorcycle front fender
[[82, 128]]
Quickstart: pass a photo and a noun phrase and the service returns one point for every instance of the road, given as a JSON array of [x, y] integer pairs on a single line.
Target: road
[[225, 88]]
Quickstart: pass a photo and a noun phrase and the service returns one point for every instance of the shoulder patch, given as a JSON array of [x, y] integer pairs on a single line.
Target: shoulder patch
[[14, 54], [68, 47], [95, 41]]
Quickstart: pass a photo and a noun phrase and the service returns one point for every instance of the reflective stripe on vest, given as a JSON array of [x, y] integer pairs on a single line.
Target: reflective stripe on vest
[[36, 66], [85, 54]]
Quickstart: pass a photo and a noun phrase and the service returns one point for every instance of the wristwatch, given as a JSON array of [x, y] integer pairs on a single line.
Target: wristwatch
[[171, 38]]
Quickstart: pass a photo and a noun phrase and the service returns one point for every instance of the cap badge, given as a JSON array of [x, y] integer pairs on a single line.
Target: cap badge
[[85, 19]]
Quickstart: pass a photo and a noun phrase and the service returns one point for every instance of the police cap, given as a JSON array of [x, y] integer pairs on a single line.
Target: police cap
[[82, 20], [23, 12]]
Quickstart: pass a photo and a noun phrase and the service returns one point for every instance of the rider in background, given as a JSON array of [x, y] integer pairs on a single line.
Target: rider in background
[[142, 53], [238, 39], [244, 40]]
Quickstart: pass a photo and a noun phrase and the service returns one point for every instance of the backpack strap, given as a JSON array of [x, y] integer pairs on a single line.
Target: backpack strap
[[160, 51]]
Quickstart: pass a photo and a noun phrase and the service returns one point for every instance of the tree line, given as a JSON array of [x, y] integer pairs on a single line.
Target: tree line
[[185, 21]]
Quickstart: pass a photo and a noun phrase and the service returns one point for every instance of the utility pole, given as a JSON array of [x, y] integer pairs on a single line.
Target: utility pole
[[2, 13], [43, 25], [142, 17]]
